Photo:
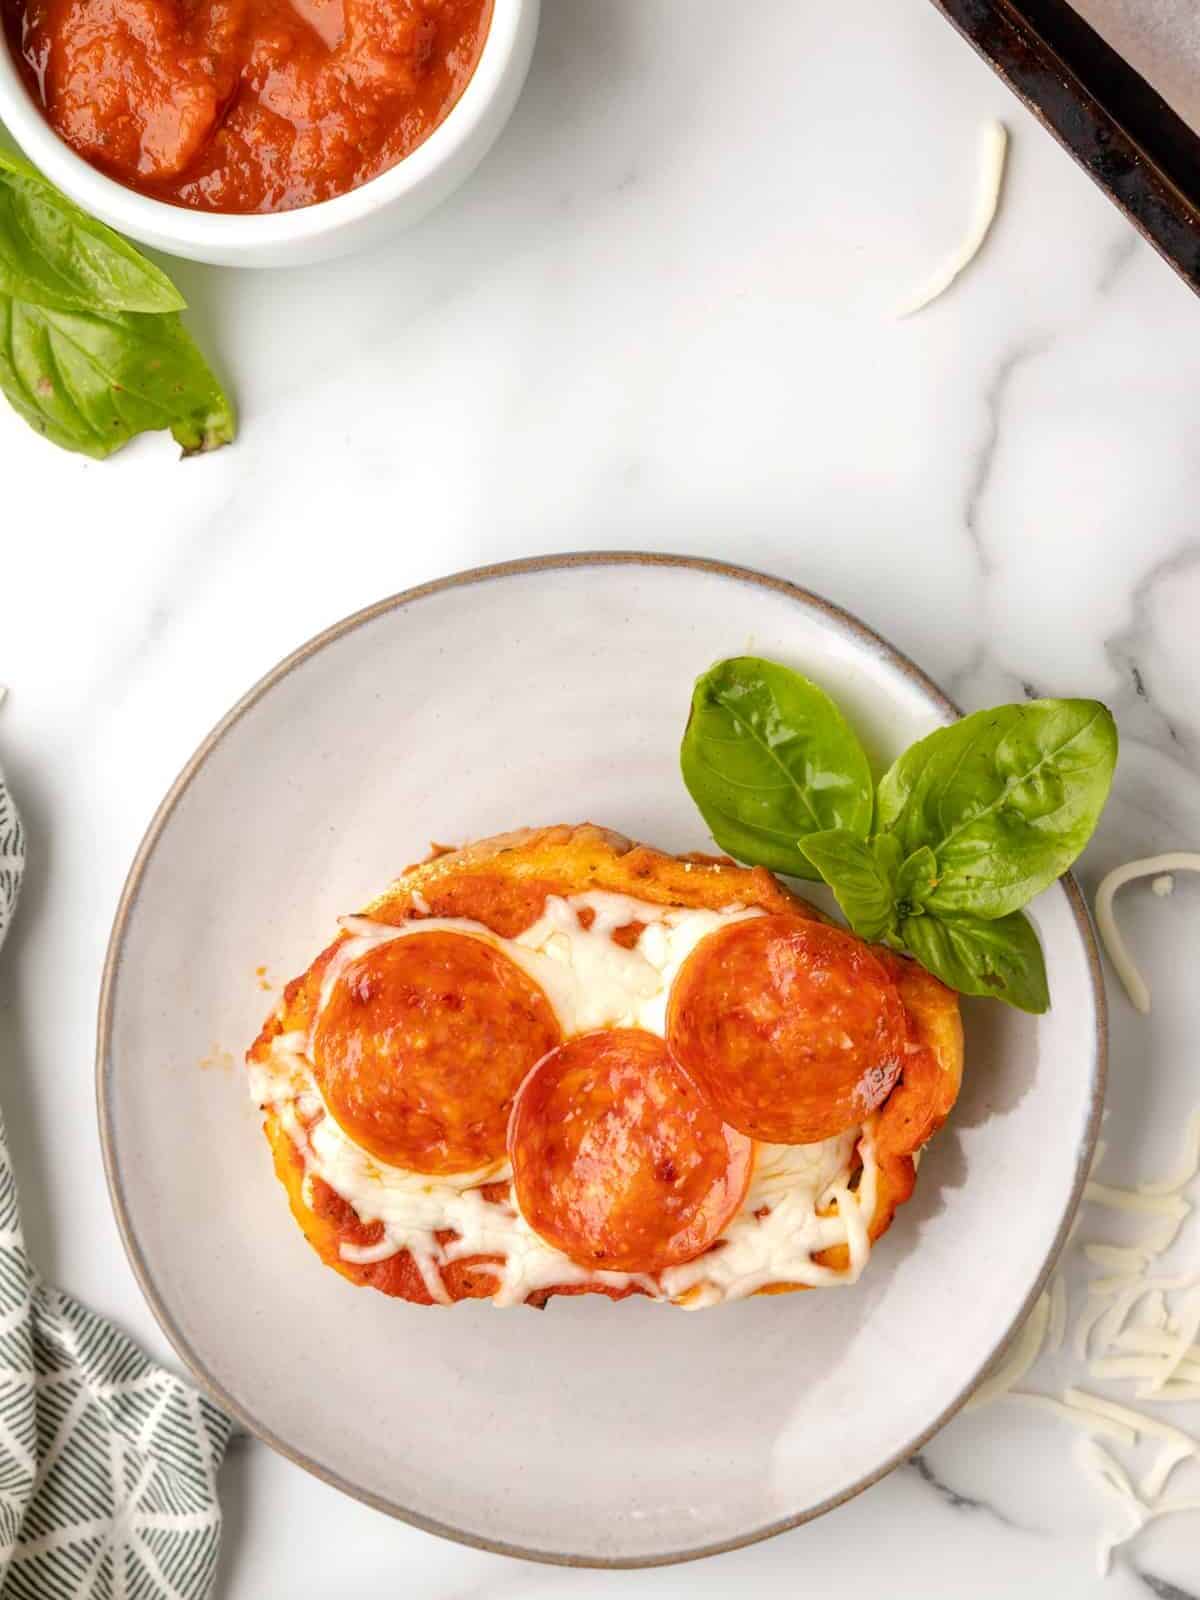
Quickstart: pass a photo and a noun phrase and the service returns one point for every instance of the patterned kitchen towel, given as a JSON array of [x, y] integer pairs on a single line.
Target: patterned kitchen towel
[[108, 1463]]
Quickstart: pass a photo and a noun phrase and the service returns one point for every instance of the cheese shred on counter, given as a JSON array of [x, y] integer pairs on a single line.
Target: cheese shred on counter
[[1137, 1326]]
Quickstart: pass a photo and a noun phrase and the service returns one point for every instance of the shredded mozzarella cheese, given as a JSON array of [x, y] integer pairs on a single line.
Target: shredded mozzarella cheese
[[1106, 922], [993, 153], [1103, 1194], [1104, 1426], [1129, 1259], [1189, 1164], [1100, 1467], [1058, 1316], [1128, 1331], [1019, 1357], [1187, 1326]]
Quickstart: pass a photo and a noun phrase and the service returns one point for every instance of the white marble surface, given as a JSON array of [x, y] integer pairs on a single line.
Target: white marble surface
[[659, 317]]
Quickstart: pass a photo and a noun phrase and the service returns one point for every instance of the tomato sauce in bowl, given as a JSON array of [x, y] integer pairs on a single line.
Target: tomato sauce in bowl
[[245, 105]]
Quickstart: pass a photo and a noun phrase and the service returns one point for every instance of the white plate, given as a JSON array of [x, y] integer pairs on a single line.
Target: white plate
[[546, 691]]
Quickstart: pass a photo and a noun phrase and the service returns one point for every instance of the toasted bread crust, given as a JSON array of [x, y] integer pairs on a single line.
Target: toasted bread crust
[[570, 860], [503, 882]]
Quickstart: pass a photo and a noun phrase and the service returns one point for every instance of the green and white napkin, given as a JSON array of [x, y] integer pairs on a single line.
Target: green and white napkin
[[108, 1463]]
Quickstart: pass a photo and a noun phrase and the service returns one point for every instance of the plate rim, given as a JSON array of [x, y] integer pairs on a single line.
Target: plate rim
[[806, 599]]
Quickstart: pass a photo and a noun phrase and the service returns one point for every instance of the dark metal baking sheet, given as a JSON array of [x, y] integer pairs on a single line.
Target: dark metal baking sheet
[[1160, 39], [1113, 122]]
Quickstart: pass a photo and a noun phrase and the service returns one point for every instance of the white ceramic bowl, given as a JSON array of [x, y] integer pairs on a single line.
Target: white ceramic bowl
[[354, 221], [616, 1435]]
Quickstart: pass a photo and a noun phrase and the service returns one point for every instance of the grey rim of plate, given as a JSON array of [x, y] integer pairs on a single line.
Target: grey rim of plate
[[491, 574]]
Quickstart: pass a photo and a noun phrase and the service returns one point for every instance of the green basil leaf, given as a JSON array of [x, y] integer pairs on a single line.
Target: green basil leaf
[[886, 849], [863, 884], [1000, 958], [769, 759], [1006, 799], [53, 254], [916, 878], [90, 381]]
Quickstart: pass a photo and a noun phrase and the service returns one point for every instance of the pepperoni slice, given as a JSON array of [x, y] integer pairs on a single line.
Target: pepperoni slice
[[618, 1160], [423, 1044], [792, 1028]]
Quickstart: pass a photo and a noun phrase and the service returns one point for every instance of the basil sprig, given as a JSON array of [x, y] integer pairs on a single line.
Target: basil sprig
[[92, 350], [1006, 799], [965, 828], [769, 758]]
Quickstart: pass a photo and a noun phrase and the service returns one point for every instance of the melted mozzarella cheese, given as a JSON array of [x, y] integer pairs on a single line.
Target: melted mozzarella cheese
[[799, 1202], [809, 1208]]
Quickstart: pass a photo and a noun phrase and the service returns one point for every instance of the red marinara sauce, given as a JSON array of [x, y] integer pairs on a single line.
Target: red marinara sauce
[[246, 105]]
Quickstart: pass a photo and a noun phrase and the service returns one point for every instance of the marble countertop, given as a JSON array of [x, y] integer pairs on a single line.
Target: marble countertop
[[659, 317]]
